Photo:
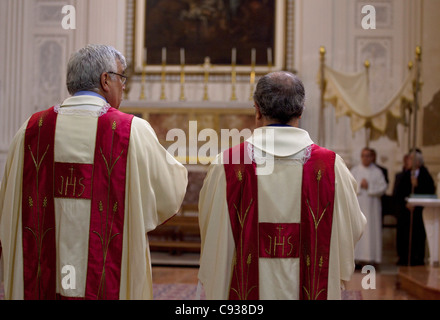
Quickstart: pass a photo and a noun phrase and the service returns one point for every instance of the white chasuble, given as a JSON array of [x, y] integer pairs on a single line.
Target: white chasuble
[[155, 185], [279, 203]]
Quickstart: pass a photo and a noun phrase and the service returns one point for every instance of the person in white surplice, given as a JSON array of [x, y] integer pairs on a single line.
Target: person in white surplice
[[371, 186]]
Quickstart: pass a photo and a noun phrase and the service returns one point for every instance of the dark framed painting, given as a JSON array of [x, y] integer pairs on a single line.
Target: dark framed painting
[[176, 32]]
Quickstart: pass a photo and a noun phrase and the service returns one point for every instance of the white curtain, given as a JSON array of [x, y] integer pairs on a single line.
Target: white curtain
[[349, 94]]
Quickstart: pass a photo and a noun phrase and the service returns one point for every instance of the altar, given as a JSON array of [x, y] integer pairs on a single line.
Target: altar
[[196, 131], [204, 128], [431, 219]]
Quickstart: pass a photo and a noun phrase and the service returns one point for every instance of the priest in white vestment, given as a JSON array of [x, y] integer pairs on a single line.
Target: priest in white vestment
[[144, 192], [371, 186], [280, 151]]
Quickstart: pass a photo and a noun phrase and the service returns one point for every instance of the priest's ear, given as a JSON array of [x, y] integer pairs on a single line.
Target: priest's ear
[[105, 78], [258, 114]]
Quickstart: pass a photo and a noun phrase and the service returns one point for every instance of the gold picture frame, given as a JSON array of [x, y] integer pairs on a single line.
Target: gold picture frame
[[262, 63]]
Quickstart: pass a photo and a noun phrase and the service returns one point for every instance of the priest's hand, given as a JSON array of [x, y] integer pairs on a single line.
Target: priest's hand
[[414, 181], [364, 184]]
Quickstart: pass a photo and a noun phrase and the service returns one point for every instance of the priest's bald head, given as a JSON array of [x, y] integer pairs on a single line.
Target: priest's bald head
[[279, 99]]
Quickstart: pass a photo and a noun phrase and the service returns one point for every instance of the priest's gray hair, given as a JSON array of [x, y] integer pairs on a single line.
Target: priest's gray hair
[[418, 159], [86, 66], [280, 96]]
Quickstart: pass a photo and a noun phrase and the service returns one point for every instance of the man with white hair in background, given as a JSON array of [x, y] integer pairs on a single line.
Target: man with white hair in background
[[415, 180], [83, 185]]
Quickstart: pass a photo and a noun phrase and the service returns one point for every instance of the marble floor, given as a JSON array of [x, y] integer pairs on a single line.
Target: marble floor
[[387, 285]]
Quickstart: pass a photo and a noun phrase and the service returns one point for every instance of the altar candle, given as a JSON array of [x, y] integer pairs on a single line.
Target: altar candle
[[234, 56], [253, 57], [269, 56], [182, 56], [164, 55]]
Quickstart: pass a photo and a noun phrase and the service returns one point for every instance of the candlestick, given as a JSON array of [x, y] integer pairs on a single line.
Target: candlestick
[[269, 58], [206, 67], [252, 77], [144, 67], [164, 62], [182, 56], [233, 73], [164, 55], [182, 74]]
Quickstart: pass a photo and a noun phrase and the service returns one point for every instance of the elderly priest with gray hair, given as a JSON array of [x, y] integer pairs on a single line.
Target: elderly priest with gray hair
[[83, 185]]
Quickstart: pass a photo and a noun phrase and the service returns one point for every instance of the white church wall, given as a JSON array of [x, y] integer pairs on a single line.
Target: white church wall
[[337, 25], [34, 49]]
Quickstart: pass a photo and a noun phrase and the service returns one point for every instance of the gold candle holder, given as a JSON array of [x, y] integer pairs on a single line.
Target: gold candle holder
[[162, 84], [269, 59], [144, 72], [367, 64], [144, 67], [206, 67], [182, 74], [163, 74], [252, 76], [251, 96], [234, 74], [182, 83], [234, 82], [419, 53]]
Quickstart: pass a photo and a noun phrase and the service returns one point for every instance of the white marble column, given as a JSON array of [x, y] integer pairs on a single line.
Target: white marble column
[[106, 19], [12, 25], [34, 50]]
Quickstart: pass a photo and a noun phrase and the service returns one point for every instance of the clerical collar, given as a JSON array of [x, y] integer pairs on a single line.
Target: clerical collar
[[89, 93]]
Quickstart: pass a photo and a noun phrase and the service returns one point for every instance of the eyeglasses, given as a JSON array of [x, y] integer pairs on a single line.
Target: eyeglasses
[[123, 78]]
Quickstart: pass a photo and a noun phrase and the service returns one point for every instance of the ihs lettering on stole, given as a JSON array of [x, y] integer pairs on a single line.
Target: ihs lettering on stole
[[73, 181], [279, 240], [70, 185], [279, 243]]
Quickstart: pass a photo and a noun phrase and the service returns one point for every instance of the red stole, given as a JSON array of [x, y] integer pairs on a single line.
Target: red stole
[[103, 183], [309, 240], [38, 210]]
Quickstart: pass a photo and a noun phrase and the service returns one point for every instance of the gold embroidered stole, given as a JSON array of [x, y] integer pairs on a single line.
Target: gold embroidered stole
[[309, 240], [103, 183]]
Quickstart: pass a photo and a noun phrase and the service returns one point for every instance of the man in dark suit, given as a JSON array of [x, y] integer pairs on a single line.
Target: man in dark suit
[[384, 170], [414, 179]]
